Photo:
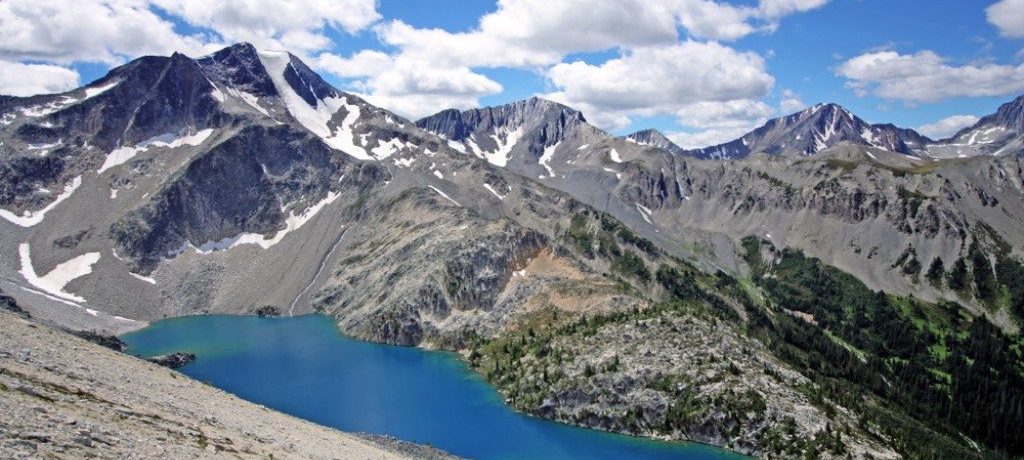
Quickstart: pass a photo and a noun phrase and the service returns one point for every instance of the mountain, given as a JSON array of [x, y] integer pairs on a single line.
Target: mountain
[[1001, 133], [569, 265], [813, 130], [819, 172], [523, 136], [654, 138]]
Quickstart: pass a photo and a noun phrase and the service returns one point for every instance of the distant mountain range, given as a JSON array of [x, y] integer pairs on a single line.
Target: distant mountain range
[[817, 128], [242, 181]]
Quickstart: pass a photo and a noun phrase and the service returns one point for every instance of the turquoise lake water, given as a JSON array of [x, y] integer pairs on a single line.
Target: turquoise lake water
[[304, 367]]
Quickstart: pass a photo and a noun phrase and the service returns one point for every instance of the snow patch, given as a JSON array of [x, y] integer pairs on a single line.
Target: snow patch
[[405, 162], [457, 146], [54, 282], [121, 155], [385, 149], [97, 90], [315, 119], [438, 174], [495, 192], [217, 95], [500, 156], [292, 222], [248, 98], [614, 155], [445, 195], [143, 278], [545, 158], [584, 146], [48, 108], [30, 218], [617, 174], [644, 212]]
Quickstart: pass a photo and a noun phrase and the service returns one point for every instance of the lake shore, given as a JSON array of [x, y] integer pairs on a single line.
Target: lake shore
[[64, 396]]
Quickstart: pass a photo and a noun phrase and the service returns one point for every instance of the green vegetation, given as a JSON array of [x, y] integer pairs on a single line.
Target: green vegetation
[[912, 199], [981, 272], [605, 238], [935, 272], [927, 379], [944, 372]]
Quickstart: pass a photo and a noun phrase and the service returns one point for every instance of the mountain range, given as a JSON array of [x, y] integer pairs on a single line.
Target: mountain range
[[243, 182]]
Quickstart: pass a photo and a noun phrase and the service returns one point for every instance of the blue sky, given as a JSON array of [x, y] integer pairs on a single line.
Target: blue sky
[[725, 68]]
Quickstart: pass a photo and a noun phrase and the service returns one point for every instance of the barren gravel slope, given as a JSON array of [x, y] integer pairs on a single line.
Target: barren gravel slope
[[63, 397]]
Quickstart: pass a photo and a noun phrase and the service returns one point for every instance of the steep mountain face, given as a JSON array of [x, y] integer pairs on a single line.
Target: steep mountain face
[[523, 136], [814, 130], [654, 138], [236, 180], [1001, 133]]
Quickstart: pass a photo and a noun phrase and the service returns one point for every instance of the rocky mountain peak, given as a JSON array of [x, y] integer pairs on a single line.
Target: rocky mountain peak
[[522, 115], [813, 130], [654, 138], [1009, 115], [239, 67], [997, 134]]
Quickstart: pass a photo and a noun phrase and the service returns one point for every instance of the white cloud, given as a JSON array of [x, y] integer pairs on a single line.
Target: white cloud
[[947, 127], [724, 21], [718, 21], [741, 113], [409, 87], [64, 31], [791, 103], [706, 138], [661, 80], [927, 77], [296, 26], [719, 122], [780, 8], [17, 79], [516, 35], [1008, 17]]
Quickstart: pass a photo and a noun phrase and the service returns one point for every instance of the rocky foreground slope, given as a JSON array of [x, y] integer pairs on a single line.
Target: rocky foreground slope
[[64, 397]]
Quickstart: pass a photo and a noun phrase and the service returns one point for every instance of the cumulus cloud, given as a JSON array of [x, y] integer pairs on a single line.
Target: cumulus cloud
[[64, 31], [411, 88], [296, 26], [541, 42], [1008, 17], [790, 103], [719, 122], [17, 79], [742, 113], [724, 21], [706, 138], [780, 8], [662, 80], [927, 77], [947, 127]]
